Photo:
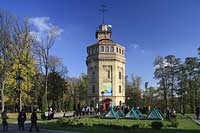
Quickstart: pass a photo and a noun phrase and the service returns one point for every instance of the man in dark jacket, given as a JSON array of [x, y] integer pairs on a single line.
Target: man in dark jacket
[[34, 121], [4, 118], [197, 112], [21, 119]]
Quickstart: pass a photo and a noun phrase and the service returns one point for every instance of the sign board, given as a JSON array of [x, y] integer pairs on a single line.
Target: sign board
[[107, 88]]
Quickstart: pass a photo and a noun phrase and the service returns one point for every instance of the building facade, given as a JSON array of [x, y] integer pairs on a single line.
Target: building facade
[[106, 69]]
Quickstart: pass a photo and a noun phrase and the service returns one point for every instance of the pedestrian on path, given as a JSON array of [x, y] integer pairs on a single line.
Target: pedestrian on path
[[34, 121], [21, 119], [4, 118], [197, 112]]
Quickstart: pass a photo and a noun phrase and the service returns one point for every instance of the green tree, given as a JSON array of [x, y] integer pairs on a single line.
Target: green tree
[[56, 86], [42, 52], [161, 74], [191, 66], [133, 92]]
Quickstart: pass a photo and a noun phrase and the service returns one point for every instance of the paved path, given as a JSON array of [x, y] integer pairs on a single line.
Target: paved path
[[197, 121], [13, 128]]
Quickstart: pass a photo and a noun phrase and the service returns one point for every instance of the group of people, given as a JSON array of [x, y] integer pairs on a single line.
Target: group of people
[[21, 120], [170, 113]]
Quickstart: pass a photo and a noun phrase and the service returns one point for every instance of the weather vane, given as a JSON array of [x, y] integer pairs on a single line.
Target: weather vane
[[103, 9]]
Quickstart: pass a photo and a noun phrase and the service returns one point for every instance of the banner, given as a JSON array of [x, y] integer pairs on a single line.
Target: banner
[[107, 88]]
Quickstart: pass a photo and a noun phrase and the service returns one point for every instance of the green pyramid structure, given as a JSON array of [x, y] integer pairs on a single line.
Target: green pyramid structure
[[111, 114], [159, 112], [120, 113], [137, 111], [132, 114], [154, 115]]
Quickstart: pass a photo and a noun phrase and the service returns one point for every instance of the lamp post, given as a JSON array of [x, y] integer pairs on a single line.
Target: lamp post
[[102, 93], [127, 100], [19, 80]]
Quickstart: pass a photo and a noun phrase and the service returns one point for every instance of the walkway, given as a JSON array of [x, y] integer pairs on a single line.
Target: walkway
[[197, 121], [13, 128]]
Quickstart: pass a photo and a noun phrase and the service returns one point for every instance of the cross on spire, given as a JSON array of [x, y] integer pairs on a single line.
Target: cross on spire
[[103, 9]]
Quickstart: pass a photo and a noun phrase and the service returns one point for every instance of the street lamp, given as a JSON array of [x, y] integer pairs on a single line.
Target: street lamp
[[19, 80], [102, 93]]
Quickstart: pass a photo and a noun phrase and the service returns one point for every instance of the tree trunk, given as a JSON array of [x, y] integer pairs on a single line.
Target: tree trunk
[[165, 98], [172, 89], [2, 95], [191, 98]]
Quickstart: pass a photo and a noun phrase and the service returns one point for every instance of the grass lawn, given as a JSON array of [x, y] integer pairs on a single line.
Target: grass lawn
[[186, 125]]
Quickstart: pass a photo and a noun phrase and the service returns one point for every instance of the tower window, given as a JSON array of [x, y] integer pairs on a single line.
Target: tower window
[[102, 48], [97, 49], [120, 89], [93, 50], [107, 48], [120, 75], [112, 49], [120, 51], [93, 75], [88, 51], [108, 74], [117, 49], [93, 88]]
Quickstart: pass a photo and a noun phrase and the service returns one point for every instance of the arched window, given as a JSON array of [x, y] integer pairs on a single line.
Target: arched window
[[108, 74], [120, 75], [102, 48], [117, 49], [120, 50], [120, 103], [120, 89], [107, 48], [112, 49]]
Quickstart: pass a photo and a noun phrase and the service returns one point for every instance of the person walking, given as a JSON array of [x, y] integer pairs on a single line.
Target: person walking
[[4, 118], [34, 121], [197, 112], [21, 119]]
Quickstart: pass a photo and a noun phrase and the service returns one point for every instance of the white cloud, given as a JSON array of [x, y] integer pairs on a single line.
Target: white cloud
[[43, 25], [135, 46]]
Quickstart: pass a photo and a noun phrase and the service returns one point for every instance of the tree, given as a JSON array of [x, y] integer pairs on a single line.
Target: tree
[[56, 90], [133, 92], [172, 64], [191, 66], [150, 96], [6, 45], [160, 73], [42, 51]]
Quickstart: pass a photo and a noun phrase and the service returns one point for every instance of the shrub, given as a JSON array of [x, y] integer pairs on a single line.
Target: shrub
[[135, 126], [174, 122], [157, 124]]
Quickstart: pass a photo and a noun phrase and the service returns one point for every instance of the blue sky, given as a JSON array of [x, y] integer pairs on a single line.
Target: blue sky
[[147, 28]]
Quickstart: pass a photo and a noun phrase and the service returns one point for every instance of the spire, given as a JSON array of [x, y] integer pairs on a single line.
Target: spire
[[103, 9]]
